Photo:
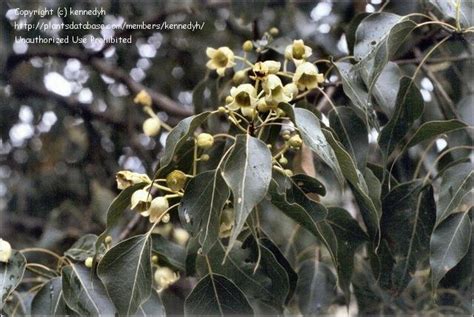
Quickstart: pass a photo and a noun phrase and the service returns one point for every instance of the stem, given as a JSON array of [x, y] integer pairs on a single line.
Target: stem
[[425, 58], [60, 258], [460, 147]]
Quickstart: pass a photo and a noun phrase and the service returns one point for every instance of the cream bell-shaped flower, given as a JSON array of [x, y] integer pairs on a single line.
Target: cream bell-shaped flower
[[157, 207], [244, 95], [291, 90], [220, 59], [164, 277], [5, 251], [249, 112], [274, 91], [307, 77], [298, 52], [140, 200], [126, 179], [273, 67]]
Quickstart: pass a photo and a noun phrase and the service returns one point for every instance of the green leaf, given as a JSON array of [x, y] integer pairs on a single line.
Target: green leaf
[[352, 131], [152, 307], [49, 300], [378, 38], [201, 207], [408, 218], [385, 88], [216, 295], [125, 271], [354, 86], [268, 283], [115, 212], [84, 293], [449, 243], [83, 248], [308, 184], [310, 130], [409, 108], [169, 251], [369, 211], [349, 237], [448, 10], [316, 288], [11, 274], [177, 138], [351, 30], [456, 185], [247, 172], [432, 129]]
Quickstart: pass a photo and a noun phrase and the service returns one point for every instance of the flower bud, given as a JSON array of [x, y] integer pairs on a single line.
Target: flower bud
[[164, 277], [283, 160], [239, 77], [181, 236], [274, 31], [154, 259], [204, 157], [262, 105], [166, 218], [157, 207], [286, 134], [288, 172], [227, 222], [247, 46], [143, 99], [205, 140], [5, 251], [176, 180], [108, 240], [151, 127], [295, 141], [223, 109], [140, 200], [88, 262], [249, 112]]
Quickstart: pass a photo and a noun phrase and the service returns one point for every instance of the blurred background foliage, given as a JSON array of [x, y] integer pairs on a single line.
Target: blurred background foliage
[[68, 122]]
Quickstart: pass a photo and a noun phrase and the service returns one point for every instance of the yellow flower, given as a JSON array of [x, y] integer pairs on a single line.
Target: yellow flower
[[244, 95], [307, 77], [298, 52], [164, 277], [143, 99], [249, 112], [262, 69], [291, 90], [274, 91], [141, 200], [5, 251], [126, 179], [220, 59]]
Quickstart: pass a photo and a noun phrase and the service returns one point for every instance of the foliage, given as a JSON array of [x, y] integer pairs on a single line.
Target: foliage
[[242, 214]]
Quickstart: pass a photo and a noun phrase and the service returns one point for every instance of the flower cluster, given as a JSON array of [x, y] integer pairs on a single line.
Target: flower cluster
[[263, 85]]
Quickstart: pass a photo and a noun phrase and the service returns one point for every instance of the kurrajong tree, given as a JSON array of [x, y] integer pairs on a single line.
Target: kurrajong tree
[[245, 164]]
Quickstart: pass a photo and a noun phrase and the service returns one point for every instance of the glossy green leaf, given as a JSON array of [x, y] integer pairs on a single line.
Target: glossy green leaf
[[312, 135], [84, 293], [83, 248], [456, 187], [349, 237], [432, 129], [216, 295], [308, 184], [152, 307], [448, 9], [115, 212], [385, 88], [201, 207], [268, 283], [11, 274], [378, 37], [125, 271], [370, 212], [49, 300], [169, 251], [177, 138], [316, 288], [354, 86], [412, 205], [352, 132], [247, 172], [351, 30], [449, 243], [409, 108]]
